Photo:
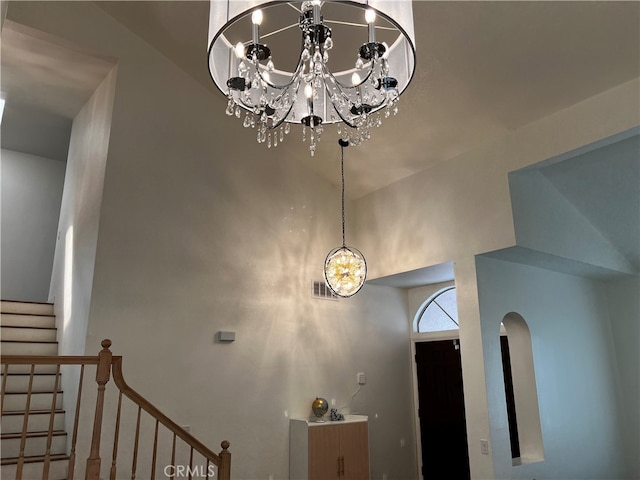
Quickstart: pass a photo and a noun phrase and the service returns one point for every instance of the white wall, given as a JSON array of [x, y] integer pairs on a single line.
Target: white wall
[[546, 222], [73, 268], [71, 281], [575, 366], [464, 210], [203, 230], [624, 312], [31, 194]]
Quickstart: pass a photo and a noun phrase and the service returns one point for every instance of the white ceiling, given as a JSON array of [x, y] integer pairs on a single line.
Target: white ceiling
[[483, 69], [45, 81]]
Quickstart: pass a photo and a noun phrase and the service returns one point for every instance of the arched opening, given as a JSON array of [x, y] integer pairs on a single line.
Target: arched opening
[[524, 414]]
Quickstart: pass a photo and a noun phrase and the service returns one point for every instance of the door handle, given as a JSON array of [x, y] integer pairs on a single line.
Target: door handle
[[342, 465]]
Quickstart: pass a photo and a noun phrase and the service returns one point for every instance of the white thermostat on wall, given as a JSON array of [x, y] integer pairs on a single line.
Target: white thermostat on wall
[[226, 337]]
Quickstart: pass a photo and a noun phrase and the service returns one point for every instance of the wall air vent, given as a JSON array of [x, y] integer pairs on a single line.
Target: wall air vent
[[320, 290]]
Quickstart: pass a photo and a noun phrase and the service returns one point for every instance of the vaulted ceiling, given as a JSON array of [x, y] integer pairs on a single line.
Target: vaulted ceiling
[[483, 70]]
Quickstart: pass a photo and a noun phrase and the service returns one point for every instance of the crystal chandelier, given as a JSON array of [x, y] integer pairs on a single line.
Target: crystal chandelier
[[345, 268], [356, 95]]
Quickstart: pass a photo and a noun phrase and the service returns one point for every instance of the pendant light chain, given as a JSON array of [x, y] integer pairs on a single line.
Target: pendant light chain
[[342, 175]]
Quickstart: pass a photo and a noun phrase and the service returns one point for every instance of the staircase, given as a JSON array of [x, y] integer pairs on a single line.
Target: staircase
[[34, 443], [29, 329]]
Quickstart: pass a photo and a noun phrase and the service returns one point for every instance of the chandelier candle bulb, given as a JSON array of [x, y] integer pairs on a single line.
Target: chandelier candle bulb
[[238, 62], [256, 17], [370, 17], [256, 20], [239, 50]]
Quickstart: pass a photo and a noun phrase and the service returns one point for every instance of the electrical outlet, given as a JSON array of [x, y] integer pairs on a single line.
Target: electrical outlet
[[362, 379], [484, 446]]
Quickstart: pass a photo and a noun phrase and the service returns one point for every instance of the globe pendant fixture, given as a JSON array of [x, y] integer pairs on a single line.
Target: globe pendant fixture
[[350, 64], [345, 271], [345, 268]]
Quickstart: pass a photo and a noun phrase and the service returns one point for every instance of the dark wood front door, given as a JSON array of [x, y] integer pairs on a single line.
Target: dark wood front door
[[443, 431]]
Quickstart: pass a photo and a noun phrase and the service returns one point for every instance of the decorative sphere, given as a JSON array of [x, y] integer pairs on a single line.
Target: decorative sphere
[[320, 407], [345, 271]]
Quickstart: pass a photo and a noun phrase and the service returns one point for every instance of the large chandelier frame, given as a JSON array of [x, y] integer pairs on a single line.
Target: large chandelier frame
[[357, 98]]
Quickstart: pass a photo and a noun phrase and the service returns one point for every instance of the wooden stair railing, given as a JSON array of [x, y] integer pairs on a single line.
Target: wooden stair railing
[[202, 462]]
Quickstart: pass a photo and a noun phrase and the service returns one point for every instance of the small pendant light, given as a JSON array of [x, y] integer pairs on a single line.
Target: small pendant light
[[345, 268]]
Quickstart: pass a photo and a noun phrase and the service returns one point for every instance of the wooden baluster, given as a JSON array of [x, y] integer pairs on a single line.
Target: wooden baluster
[[5, 373], [224, 470], [52, 417], [25, 424], [103, 372], [76, 421], [116, 435], [135, 446], [155, 452], [173, 457], [106, 366]]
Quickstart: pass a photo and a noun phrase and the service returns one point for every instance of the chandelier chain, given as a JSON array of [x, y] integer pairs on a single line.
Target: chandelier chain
[[342, 178]]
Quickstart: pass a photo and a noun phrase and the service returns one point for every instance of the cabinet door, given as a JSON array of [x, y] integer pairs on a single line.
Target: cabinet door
[[324, 452], [354, 449]]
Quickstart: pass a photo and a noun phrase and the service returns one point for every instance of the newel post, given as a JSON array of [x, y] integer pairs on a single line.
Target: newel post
[[103, 372], [224, 470]]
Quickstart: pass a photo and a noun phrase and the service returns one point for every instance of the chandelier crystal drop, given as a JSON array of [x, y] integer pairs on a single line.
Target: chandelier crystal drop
[[376, 36]]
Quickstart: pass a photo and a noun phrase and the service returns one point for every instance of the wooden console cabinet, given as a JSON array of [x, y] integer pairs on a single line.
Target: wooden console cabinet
[[329, 450]]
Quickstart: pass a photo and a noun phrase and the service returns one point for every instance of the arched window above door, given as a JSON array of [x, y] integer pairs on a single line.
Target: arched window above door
[[439, 312]]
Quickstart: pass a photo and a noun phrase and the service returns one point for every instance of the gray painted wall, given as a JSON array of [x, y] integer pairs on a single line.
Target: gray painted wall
[[624, 313], [31, 194], [461, 208], [584, 423]]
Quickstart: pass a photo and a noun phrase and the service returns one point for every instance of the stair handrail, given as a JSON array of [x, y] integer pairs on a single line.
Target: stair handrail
[[221, 460], [106, 365]]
